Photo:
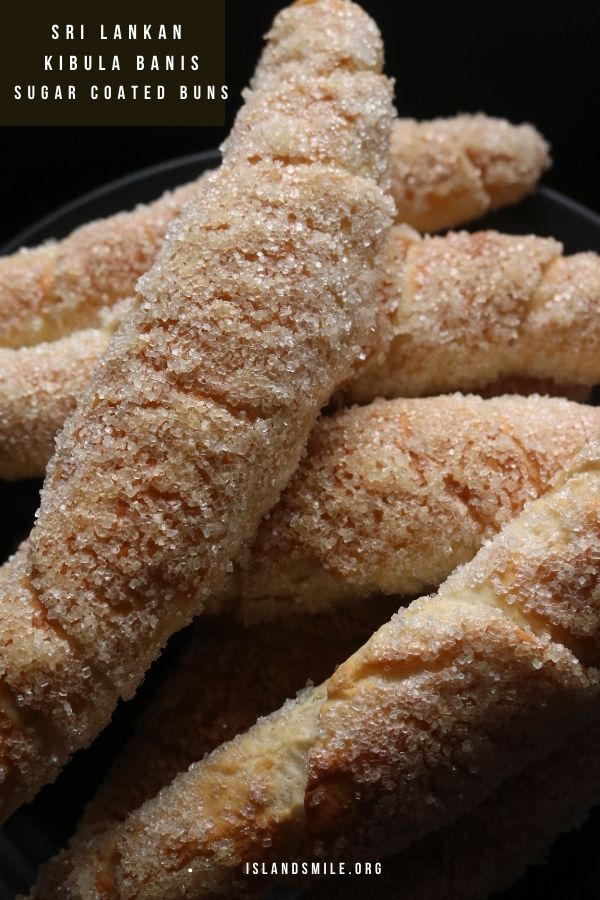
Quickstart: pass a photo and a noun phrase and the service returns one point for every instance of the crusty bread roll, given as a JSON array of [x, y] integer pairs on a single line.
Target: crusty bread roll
[[444, 173], [454, 695], [39, 389], [484, 312], [49, 291], [261, 302], [244, 673], [389, 499]]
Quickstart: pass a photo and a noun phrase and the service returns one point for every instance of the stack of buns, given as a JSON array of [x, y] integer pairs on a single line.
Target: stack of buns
[[245, 400]]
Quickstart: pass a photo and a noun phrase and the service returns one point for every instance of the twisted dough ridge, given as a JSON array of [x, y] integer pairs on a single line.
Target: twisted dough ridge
[[385, 501], [455, 694], [474, 309], [488, 849], [391, 497], [250, 674], [485, 312], [443, 172], [260, 303], [448, 171], [529, 597], [245, 673], [39, 389], [49, 291]]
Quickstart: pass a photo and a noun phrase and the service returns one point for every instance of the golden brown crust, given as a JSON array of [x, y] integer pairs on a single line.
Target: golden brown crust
[[536, 579], [452, 696], [307, 121], [260, 303], [362, 511], [488, 849], [226, 678], [424, 427], [193, 396], [52, 290], [39, 387], [391, 497], [250, 674], [48, 695], [342, 38]]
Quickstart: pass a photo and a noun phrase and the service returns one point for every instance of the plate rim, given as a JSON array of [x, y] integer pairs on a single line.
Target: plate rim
[[205, 159]]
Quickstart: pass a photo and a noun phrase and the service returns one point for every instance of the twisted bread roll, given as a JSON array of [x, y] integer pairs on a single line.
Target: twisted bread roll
[[390, 498], [527, 601], [260, 303], [244, 673], [39, 389], [488, 849], [454, 695], [473, 309], [252, 673], [482, 312], [448, 171], [384, 501], [61, 286], [444, 173]]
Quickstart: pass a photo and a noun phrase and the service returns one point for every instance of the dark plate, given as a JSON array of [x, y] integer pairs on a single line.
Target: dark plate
[[36, 831]]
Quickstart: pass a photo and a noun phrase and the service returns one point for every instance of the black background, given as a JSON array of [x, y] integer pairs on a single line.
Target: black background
[[524, 61]]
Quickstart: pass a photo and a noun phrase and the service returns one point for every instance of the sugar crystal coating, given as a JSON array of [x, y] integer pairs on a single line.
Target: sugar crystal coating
[[448, 171], [492, 652], [484, 312], [443, 173], [474, 309], [39, 387], [260, 303], [492, 846], [500, 454], [455, 694], [391, 497], [49, 291]]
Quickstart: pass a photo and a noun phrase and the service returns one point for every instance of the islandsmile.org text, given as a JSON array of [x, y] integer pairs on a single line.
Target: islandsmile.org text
[[316, 869]]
